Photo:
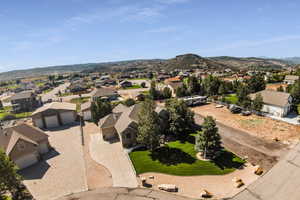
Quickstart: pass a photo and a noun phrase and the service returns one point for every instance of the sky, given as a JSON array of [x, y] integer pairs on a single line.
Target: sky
[[36, 33]]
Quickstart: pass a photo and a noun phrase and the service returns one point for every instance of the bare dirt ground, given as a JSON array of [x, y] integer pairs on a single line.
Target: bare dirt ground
[[262, 127], [274, 86], [192, 186], [97, 175]]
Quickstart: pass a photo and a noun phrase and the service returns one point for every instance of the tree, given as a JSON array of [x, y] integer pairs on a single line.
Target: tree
[[211, 85], [10, 181], [222, 89], [193, 85], [208, 141], [153, 93], [295, 93], [243, 98], [1, 105], [100, 109], [143, 85], [257, 103], [256, 83], [129, 102], [181, 91], [181, 118], [148, 126], [167, 93], [280, 89]]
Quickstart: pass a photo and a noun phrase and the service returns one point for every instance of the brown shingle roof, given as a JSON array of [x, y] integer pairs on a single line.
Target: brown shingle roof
[[56, 106], [271, 97], [22, 95], [10, 136], [291, 77], [104, 92]]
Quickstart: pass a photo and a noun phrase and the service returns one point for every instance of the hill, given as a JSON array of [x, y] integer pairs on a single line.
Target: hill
[[185, 61]]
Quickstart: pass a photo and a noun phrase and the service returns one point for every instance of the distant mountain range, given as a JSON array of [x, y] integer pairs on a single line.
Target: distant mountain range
[[185, 61]]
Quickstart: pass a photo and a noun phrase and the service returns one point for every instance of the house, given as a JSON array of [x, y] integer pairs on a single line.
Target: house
[[24, 144], [290, 79], [25, 101], [104, 93], [86, 111], [173, 84], [274, 102], [125, 84], [122, 124], [54, 114]]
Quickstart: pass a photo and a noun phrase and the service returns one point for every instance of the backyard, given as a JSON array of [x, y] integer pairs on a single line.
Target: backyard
[[5, 113], [135, 86], [79, 101], [179, 158]]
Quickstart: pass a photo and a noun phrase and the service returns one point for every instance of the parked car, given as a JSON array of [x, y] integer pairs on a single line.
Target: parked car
[[168, 187], [235, 109], [246, 113]]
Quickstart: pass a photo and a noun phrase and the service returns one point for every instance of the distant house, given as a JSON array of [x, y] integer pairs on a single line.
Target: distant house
[[275, 103], [24, 144], [24, 101], [77, 87], [54, 114], [86, 111], [125, 84], [122, 124], [290, 79], [173, 84], [104, 93]]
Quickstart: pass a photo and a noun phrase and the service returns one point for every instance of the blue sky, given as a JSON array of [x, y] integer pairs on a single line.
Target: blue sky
[[37, 33]]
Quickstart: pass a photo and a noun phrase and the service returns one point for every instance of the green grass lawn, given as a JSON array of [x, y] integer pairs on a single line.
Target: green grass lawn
[[65, 94], [133, 87], [79, 101], [178, 158], [4, 113], [232, 98]]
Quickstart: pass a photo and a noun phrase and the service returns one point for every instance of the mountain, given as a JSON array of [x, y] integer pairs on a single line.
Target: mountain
[[292, 60], [185, 61]]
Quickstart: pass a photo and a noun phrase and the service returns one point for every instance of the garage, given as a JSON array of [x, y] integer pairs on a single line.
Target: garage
[[39, 123], [26, 161], [67, 117], [51, 121]]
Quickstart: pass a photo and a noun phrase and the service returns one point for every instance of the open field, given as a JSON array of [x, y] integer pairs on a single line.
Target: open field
[[262, 127], [180, 159]]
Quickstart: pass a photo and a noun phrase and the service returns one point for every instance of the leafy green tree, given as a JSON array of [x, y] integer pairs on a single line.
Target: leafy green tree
[[181, 118], [222, 88], [100, 109], [193, 85], [153, 93], [208, 141], [167, 93], [180, 91], [1, 105], [256, 83], [295, 93], [257, 103], [129, 102], [143, 85], [243, 98], [148, 126], [10, 180], [280, 89], [211, 85]]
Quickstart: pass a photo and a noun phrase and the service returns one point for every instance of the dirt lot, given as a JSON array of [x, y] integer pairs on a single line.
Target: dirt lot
[[274, 86], [262, 127]]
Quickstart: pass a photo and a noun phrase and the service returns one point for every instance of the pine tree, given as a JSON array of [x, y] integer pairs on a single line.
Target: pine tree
[[148, 126], [208, 141], [153, 93], [257, 103]]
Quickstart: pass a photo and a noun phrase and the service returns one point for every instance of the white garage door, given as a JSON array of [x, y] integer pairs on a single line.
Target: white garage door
[[39, 123], [67, 117], [87, 115], [26, 161], [51, 121]]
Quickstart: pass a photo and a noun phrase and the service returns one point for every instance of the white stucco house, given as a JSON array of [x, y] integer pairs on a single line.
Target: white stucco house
[[275, 103]]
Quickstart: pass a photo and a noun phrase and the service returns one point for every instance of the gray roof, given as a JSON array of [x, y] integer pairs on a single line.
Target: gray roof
[[271, 97], [104, 92], [10, 136], [56, 106], [109, 120], [22, 95]]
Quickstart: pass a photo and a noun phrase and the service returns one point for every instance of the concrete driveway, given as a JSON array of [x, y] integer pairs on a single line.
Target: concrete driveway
[[113, 157], [63, 170]]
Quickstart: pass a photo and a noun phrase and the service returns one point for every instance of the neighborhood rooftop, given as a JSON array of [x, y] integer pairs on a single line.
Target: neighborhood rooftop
[[273, 97], [56, 105]]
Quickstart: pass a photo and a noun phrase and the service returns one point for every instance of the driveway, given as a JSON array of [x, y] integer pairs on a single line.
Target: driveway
[[113, 157], [63, 171]]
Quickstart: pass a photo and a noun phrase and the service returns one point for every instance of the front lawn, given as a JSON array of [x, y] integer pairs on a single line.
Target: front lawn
[[4, 114], [79, 101], [232, 98], [178, 158], [133, 87]]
